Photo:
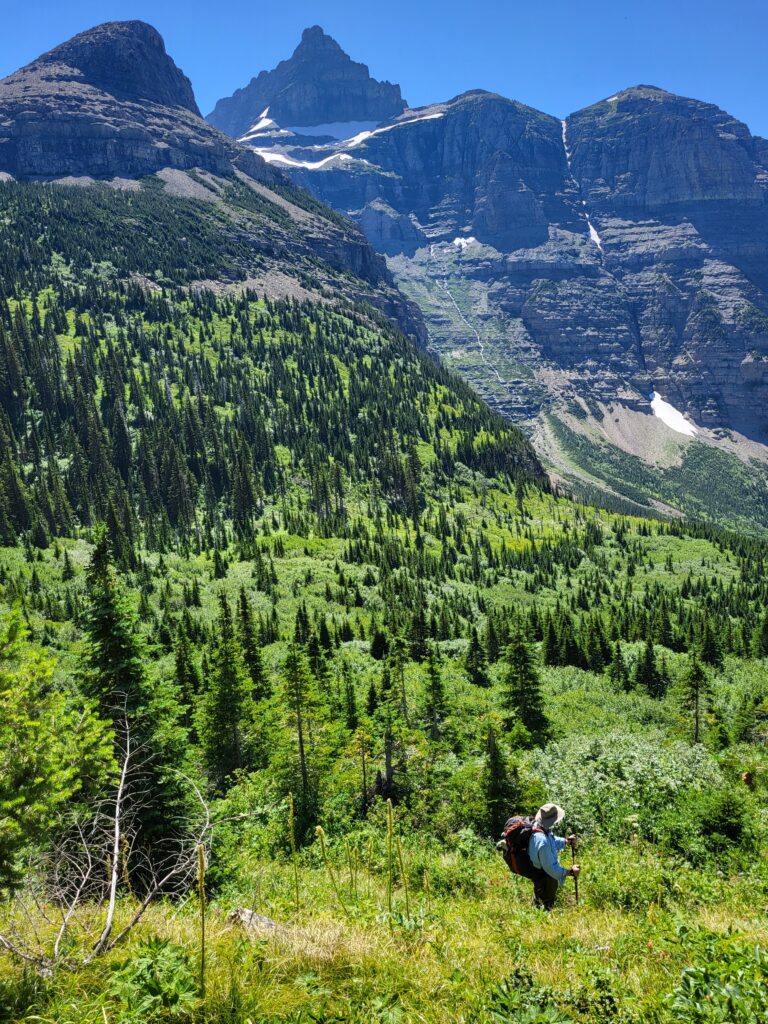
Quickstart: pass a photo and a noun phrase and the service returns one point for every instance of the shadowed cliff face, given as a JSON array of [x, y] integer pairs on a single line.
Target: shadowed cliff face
[[649, 151], [126, 59], [318, 85], [679, 192], [479, 164]]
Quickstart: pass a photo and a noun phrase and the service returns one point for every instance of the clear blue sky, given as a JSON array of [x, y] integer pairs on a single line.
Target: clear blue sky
[[557, 55]]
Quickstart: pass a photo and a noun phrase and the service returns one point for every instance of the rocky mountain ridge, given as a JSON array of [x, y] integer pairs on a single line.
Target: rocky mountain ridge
[[110, 104], [567, 268], [319, 85]]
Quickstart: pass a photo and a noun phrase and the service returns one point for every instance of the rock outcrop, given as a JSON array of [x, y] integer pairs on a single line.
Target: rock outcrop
[[318, 85], [109, 102]]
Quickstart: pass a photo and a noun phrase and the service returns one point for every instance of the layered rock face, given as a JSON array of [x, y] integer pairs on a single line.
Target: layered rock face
[[109, 102], [480, 164], [318, 85], [625, 249], [678, 190]]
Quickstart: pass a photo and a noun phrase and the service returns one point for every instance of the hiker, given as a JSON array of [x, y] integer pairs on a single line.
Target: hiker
[[531, 850]]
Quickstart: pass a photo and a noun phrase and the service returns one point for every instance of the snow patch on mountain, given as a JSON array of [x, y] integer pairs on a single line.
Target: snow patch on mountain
[[339, 130], [671, 416], [271, 157], [363, 136], [265, 125], [464, 243]]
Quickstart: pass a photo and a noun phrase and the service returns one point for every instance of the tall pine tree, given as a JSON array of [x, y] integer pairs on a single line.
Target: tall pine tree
[[521, 689], [226, 712]]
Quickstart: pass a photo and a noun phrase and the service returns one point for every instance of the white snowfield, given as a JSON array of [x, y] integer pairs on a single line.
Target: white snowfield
[[348, 134], [340, 130], [362, 136], [263, 125], [463, 243], [272, 157], [671, 416], [594, 235]]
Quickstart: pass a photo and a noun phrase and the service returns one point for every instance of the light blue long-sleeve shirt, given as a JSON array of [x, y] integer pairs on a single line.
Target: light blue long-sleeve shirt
[[544, 850]]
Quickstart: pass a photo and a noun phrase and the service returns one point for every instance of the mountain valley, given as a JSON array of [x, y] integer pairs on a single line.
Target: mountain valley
[[569, 270], [294, 615]]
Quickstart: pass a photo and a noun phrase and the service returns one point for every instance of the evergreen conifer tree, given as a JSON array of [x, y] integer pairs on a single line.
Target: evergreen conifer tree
[[249, 640], [617, 670], [710, 649], [476, 662], [522, 690], [434, 707], [226, 708], [696, 693], [500, 790], [300, 699], [115, 674], [647, 675]]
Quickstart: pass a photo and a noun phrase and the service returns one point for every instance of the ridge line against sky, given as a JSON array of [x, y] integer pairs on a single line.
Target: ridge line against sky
[[556, 57]]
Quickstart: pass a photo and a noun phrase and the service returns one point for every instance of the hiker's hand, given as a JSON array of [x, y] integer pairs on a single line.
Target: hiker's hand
[[571, 840], [574, 871]]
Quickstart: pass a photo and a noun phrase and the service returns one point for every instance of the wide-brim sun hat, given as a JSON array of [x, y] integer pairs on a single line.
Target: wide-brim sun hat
[[550, 815]]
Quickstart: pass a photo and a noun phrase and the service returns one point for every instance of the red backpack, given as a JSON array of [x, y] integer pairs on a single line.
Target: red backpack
[[516, 836]]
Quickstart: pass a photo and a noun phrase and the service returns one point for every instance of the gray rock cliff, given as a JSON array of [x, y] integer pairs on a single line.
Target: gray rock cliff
[[109, 102], [318, 85], [625, 248]]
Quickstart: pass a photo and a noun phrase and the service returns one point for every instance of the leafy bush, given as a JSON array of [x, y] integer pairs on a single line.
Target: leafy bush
[[619, 784], [519, 999], [714, 824], [729, 985], [156, 983], [626, 882]]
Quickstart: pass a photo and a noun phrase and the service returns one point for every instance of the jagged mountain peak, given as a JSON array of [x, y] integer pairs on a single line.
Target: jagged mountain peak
[[644, 91], [125, 59], [110, 102], [318, 85], [314, 39]]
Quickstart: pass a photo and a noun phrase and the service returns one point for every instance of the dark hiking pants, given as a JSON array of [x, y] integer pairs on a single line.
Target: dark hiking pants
[[544, 889]]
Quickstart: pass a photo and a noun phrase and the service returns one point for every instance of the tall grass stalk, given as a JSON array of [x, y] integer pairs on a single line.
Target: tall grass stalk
[[401, 862], [201, 893], [320, 833], [390, 834], [351, 867], [369, 861], [294, 860]]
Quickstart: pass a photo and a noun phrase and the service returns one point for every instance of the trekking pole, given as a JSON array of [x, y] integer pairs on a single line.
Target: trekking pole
[[575, 877]]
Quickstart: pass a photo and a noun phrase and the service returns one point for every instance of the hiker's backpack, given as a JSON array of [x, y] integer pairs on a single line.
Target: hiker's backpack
[[517, 835]]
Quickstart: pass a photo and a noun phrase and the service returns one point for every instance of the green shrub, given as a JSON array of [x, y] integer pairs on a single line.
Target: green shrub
[[519, 999], [618, 784], [729, 985], [156, 983], [626, 882], [713, 825]]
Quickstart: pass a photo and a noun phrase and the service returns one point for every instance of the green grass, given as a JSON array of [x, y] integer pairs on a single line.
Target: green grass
[[471, 930]]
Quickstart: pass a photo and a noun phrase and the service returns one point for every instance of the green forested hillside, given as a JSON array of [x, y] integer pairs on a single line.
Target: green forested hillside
[[265, 563]]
